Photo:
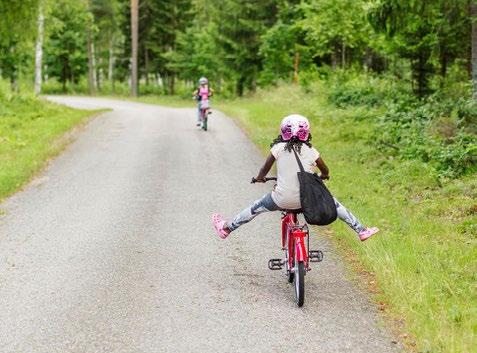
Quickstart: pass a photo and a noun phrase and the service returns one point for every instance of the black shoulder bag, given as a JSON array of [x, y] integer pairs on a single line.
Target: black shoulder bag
[[317, 203]]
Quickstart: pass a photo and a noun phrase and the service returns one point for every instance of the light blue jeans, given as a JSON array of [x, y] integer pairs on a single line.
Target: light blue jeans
[[266, 204]]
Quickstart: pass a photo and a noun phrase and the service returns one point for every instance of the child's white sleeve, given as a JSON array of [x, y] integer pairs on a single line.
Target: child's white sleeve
[[275, 150], [316, 154]]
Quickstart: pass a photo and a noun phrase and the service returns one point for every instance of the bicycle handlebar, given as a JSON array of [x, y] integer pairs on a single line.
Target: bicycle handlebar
[[266, 179]]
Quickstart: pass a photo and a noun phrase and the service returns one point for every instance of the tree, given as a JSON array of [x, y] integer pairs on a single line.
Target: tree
[[410, 27], [39, 48], [335, 28], [65, 46], [283, 48], [196, 52], [164, 21], [241, 23], [16, 35], [92, 80], [473, 10], [107, 19], [134, 44]]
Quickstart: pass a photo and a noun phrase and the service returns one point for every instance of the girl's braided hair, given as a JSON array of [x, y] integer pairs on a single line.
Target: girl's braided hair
[[294, 142]]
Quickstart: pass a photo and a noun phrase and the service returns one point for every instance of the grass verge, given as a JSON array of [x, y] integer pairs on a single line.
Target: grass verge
[[424, 259], [31, 132]]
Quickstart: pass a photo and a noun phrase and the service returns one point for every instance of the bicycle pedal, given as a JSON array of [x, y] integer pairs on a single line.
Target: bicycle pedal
[[315, 255], [275, 264]]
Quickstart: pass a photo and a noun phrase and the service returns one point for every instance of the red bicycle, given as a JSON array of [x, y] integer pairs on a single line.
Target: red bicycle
[[204, 113], [296, 245]]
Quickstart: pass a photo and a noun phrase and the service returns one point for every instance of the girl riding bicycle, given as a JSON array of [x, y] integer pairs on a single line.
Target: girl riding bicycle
[[294, 134], [202, 94]]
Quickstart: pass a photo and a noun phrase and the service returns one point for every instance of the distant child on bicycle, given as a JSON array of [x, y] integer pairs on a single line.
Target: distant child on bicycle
[[295, 134], [202, 94]]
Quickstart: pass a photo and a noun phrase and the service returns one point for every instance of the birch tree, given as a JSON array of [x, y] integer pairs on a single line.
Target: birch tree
[[39, 47]]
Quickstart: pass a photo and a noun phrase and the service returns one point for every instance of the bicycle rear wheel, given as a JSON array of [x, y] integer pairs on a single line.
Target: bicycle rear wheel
[[299, 282]]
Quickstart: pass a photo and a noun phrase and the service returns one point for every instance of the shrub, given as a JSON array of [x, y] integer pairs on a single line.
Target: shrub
[[438, 131]]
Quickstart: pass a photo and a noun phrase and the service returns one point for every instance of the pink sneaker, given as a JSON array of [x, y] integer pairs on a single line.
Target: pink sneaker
[[367, 232], [219, 223]]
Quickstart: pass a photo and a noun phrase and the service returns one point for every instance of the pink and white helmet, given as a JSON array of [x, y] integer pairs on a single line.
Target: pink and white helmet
[[295, 125]]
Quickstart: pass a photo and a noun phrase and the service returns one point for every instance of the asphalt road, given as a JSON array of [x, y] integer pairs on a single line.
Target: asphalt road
[[111, 249]]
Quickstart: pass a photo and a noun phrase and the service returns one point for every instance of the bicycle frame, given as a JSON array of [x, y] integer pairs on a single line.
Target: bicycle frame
[[293, 240]]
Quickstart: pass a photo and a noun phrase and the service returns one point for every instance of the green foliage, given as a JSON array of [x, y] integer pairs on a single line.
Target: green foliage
[[283, 46], [18, 21], [197, 54], [240, 27], [356, 89], [65, 53], [425, 32], [438, 131], [16, 36], [332, 26]]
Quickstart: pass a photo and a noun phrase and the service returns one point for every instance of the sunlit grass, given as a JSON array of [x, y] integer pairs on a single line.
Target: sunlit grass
[[424, 258], [30, 133]]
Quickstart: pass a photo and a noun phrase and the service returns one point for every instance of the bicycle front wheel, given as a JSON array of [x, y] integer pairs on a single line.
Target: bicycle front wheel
[[299, 282]]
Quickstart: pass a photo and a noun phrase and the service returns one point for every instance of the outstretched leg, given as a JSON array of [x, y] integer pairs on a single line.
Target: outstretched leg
[[264, 204], [353, 222]]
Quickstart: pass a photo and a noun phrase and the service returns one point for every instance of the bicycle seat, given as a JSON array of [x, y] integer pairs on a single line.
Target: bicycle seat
[[297, 211]]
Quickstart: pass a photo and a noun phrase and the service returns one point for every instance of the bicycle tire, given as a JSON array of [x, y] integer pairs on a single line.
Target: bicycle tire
[[299, 283], [204, 123]]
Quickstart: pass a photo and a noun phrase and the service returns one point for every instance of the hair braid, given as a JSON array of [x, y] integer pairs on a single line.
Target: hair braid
[[294, 142]]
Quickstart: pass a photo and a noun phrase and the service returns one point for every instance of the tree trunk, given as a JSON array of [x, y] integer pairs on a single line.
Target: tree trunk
[[63, 77], [443, 69], [296, 64], [368, 59], [91, 70], [334, 58], [134, 35], [99, 74], [14, 84], [39, 49], [172, 83], [111, 63], [343, 55], [146, 66], [91, 66], [473, 14], [240, 86]]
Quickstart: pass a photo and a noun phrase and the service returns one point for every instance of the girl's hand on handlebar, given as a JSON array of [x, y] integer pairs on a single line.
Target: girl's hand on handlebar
[[258, 180]]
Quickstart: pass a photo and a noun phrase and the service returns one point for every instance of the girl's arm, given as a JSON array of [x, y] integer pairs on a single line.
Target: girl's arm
[[325, 172], [265, 168]]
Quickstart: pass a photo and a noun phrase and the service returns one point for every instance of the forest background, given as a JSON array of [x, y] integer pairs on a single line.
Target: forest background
[[390, 86]]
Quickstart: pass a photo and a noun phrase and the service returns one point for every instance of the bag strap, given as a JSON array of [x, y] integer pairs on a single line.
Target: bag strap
[[298, 161]]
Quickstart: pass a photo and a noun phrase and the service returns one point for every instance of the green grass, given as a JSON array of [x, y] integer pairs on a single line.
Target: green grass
[[424, 259], [31, 132]]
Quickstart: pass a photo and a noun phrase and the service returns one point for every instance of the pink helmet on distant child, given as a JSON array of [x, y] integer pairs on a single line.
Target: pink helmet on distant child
[[295, 125]]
